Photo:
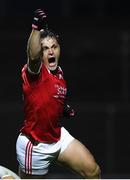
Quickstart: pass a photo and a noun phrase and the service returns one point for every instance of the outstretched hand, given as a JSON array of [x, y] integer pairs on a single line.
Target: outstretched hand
[[39, 20]]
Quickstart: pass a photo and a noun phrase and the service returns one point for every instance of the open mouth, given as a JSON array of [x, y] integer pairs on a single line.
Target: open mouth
[[51, 60]]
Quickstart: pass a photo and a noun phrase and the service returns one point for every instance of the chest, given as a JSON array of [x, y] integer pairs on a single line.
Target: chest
[[54, 87], [47, 89]]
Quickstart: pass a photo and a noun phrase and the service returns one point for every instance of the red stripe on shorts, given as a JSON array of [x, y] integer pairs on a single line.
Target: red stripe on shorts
[[28, 158]]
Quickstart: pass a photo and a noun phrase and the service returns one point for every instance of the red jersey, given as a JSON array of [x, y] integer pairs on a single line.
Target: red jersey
[[44, 97]]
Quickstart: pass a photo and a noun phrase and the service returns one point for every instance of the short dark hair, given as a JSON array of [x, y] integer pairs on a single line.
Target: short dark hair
[[49, 33]]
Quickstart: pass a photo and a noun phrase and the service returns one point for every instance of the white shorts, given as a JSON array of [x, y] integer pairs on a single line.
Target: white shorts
[[36, 159]]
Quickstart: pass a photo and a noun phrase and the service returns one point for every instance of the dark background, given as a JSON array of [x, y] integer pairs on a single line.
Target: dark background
[[95, 45]]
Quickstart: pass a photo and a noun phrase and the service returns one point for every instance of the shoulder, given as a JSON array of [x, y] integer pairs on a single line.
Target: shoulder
[[60, 72], [29, 77], [24, 68], [23, 73]]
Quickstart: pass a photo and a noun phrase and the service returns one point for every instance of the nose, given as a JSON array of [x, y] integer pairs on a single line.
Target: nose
[[50, 51]]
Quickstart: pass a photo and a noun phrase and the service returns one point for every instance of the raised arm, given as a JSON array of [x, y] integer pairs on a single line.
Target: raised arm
[[34, 44]]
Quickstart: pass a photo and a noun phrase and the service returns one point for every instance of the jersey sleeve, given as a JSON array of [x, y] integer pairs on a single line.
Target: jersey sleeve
[[24, 74], [28, 77]]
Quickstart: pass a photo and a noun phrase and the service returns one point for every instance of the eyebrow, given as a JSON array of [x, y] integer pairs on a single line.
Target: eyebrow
[[51, 46]]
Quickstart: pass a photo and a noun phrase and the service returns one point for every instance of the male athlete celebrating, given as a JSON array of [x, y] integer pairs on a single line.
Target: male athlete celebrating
[[42, 140]]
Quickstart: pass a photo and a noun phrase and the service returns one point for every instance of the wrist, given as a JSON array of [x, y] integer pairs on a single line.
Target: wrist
[[36, 24]]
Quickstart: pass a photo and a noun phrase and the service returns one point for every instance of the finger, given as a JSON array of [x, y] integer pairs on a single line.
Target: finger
[[38, 10], [41, 13], [43, 17]]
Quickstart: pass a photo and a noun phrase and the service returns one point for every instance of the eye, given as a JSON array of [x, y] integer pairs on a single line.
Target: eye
[[54, 46], [45, 48]]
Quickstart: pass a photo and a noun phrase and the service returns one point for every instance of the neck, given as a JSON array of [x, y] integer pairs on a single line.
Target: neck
[[54, 72]]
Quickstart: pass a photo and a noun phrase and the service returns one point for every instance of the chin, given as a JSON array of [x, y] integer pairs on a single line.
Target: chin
[[52, 68]]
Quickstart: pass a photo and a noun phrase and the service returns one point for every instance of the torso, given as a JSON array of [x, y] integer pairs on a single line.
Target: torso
[[43, 105]]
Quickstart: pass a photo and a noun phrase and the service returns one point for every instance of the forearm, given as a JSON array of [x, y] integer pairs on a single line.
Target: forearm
[[34, 45], [34, 49]]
